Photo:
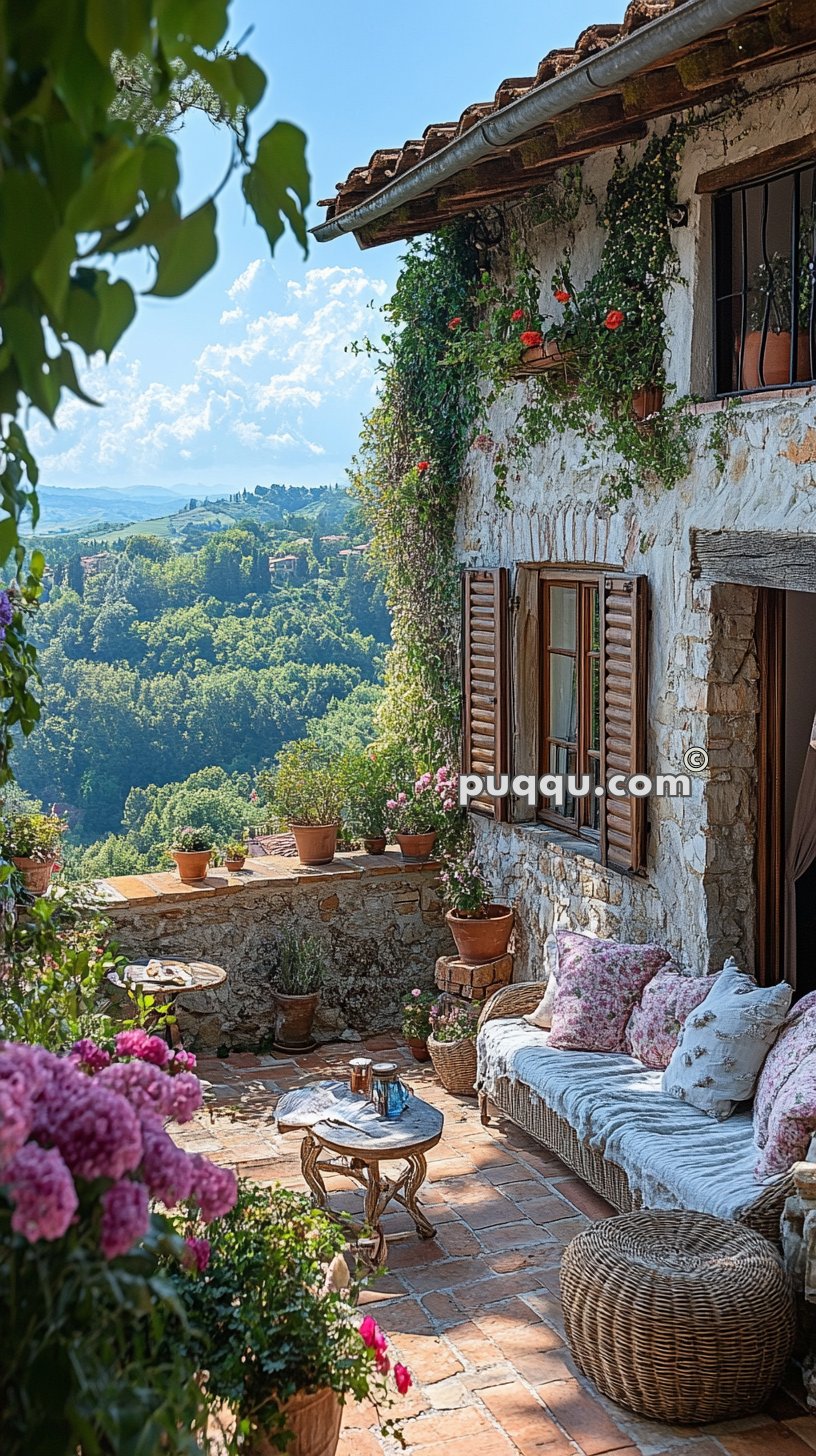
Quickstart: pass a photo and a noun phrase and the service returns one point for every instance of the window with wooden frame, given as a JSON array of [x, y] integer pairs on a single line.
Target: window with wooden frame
[[554, 681]]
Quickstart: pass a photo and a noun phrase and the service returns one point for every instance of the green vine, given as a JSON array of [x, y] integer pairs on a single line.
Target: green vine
[[407, 477]]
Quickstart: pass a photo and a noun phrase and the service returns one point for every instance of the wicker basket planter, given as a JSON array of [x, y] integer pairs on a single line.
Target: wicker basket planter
[[678, 1316], [455, 1064], [314, 1420]]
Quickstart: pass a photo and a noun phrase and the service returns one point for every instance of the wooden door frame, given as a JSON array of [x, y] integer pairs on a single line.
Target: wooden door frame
[[770, 760]]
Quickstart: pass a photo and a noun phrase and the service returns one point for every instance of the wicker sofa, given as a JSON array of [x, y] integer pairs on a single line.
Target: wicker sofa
[[511, 1060]]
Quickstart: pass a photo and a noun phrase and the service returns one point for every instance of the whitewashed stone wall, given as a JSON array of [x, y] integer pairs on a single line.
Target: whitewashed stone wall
[[698, 897]]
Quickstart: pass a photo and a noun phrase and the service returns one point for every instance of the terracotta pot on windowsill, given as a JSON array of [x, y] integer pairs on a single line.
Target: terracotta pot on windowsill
[[482, 937], [776, 361], [234, 865], [316, 843], [416, 848], [36, 873], [542, 357], [647, 402], [192, 865], [313, 1419]]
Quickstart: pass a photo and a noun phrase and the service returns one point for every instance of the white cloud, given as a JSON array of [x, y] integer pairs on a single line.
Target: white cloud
[[286, 389], [245, 280]]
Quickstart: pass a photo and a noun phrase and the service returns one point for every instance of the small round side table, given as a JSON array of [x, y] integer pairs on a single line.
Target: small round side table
[[204, 977]]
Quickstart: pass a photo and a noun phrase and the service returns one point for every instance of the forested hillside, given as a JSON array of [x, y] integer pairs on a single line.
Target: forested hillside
[[161, 660]]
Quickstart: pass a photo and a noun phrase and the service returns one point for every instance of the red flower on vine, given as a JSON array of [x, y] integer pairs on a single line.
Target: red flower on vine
[[455, 322], [517, 314], [561, 295], [614, 319], [531, 337], [423, 465]]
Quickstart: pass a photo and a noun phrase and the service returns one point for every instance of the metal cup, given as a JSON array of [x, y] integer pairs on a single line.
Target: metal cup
[[360, 1069]]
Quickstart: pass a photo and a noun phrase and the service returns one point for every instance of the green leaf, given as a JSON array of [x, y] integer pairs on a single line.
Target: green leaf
[[52, 275], [186, 253], [201, 21], [160, 169], [110, 194], [23, 332], [117, 25], [278, 186], [28, 221], [236, 79], [81, 315], [117, 311]]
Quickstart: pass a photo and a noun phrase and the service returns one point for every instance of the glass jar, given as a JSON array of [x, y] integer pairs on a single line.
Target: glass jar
[[389, 1095], [360, 1079]]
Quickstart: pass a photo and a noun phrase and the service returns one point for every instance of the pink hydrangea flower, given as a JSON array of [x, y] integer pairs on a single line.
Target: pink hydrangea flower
[[402, 1379], [95, 1129], [198, 1256], [214, 1189], [137, 1043], [166, 1168], [125, 1217], [402, 798], [43, 1193], [183, 1061], [146, 1087], [88, 1056], [185, 1096], [390, 803]]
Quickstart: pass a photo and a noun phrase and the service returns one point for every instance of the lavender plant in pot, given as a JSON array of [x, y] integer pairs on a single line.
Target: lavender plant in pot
[[192, 850], [301, 973], [480, 927], [31, 842]]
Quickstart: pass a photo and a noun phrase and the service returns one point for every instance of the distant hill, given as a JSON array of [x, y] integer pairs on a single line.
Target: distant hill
[[106, 515]]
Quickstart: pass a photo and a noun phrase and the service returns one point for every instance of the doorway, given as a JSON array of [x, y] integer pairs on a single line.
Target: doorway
[[785, 640]]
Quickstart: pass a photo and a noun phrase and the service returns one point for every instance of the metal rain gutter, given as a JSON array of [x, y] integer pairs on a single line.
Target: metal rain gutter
[[602, 72]]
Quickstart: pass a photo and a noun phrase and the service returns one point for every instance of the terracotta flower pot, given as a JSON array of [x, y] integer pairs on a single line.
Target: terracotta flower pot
[[776, 361], [36, 873], [233, 865], [541, 357], [647, 402], [316, 843], [314, 1421], [375, 845], [482, 938], [419, 1049], [192, 865], [416, 848], [294, 1019]]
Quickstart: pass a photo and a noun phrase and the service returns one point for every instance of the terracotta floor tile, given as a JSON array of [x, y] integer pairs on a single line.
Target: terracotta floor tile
[[582, 1417], [770, 1440], [487, 1212], [805, 1428], [489, 1291], [585, 1199], [428, 1357], [406, 1315], [525, 1421], [442, 1308], [444, 1275], [435, 1428], [514, 1235], [457, 1239], [359, 1443]]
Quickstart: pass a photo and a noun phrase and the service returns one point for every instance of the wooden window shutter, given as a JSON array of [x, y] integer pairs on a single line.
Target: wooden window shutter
[[485, 717], [624, 639], [526, 683]]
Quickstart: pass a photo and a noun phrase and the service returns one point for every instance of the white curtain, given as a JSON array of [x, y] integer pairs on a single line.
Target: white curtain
[[801, 850]]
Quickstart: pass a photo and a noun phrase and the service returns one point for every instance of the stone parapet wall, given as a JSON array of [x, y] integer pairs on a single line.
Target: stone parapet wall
[[381, 922]]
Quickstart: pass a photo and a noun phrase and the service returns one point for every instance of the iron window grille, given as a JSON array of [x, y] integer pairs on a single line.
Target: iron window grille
[[764, 294]]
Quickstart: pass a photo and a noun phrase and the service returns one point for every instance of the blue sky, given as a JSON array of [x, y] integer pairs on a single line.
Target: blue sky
[[247, 379]]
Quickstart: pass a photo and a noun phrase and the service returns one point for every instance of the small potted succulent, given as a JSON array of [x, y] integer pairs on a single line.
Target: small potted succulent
[[480, 928], [234, 855], [452, 1043], [308, 795], [31, 842], [273, 1324], [416, 1022], [192, 850], [300, 977], [417, 815]]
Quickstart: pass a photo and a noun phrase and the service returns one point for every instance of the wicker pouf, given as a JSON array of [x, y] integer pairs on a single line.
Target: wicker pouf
[[678, 1316]]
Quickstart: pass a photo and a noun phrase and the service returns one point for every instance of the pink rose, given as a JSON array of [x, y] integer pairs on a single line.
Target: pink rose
[[402, 1378]]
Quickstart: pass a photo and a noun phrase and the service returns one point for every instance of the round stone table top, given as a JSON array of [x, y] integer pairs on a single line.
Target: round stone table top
[[203, 976]]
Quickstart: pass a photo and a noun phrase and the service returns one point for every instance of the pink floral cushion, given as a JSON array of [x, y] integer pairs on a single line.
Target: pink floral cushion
[[654, 1027], [599, 982], [796, 1040], [792, 1122]]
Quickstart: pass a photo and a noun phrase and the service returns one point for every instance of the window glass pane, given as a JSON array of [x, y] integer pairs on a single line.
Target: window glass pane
[[563, 613], [562, 761], [594, 621], [592, 802], [594, 731], [563, 698]]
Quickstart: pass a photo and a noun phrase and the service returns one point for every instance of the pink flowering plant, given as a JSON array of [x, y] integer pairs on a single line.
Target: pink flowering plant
[[416, 1024], [428, 805], [272, 1311], [453, 1020], [92, 1332], [463, 887]]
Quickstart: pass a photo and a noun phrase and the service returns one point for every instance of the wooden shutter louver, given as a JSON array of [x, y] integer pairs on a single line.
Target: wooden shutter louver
[[485, 682], [623, 633], [525, 675]]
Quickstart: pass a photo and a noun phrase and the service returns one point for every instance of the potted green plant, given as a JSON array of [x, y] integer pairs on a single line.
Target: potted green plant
[[766, 352], [452, 1043], [192, 850], [308, 794], [31, 842], [366, 798], [273, 1325], [417, 815], [480, 927], [234, 855], [301, 973], [416, 1022]]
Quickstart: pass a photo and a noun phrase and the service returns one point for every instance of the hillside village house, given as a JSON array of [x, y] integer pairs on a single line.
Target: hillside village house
[[602, 637]]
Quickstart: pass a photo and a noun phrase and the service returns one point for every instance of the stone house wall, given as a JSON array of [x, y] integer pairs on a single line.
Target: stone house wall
[[381, 922], [698, 895]]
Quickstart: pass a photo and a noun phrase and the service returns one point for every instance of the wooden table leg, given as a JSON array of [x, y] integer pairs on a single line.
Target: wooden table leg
[[417, 1173], [310, 1150]]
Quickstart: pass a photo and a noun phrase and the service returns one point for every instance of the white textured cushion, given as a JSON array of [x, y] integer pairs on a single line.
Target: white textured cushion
[[542, 1016], [725, 1041]]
